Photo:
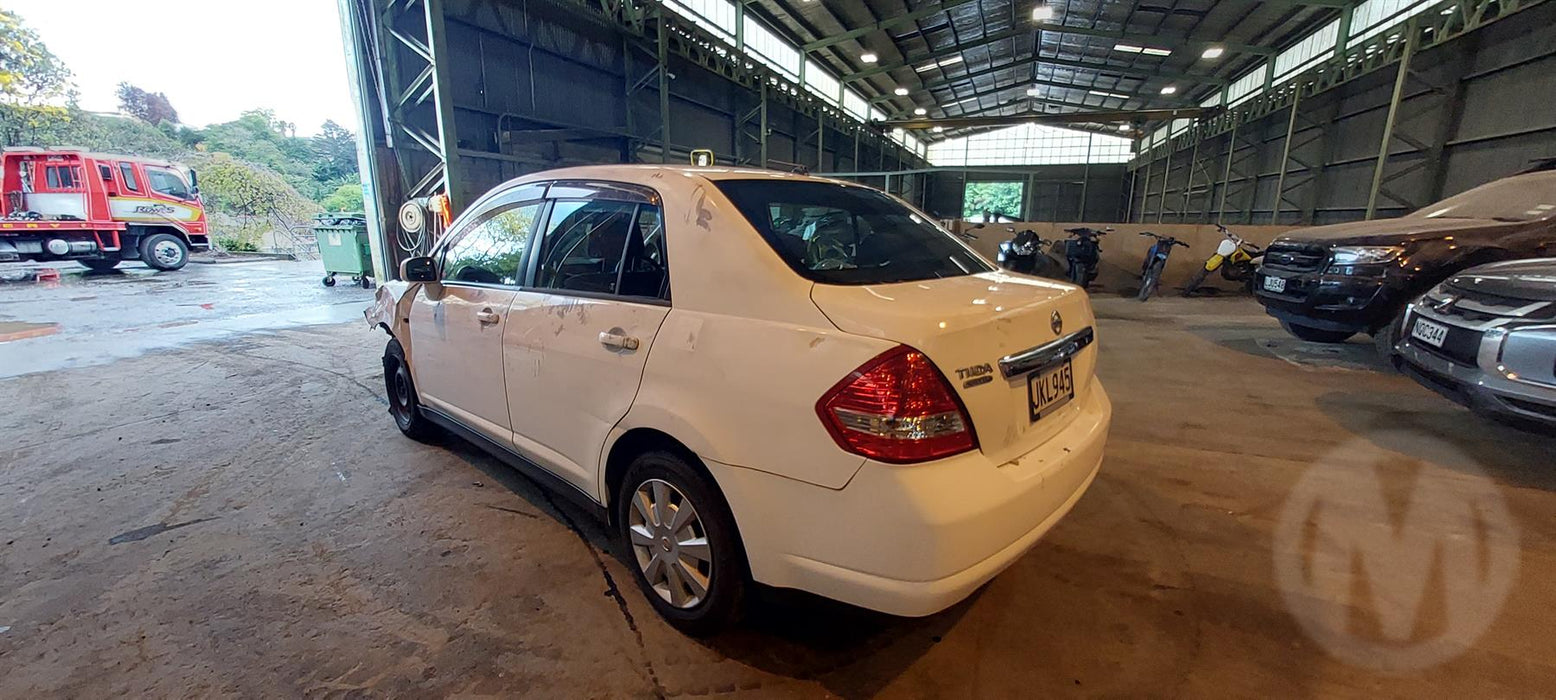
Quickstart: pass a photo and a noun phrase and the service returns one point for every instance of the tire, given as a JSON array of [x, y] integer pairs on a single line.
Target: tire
[[1195, 281], [1384, 338], [1078, 275], [328, 281], [665, 479], [401, 390], [1150, 280], [366, 282], [99, 264], [164, 251], [1316, 335]]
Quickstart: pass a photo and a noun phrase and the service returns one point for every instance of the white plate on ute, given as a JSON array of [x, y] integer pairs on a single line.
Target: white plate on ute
[[1275, 284], [1429, 332]]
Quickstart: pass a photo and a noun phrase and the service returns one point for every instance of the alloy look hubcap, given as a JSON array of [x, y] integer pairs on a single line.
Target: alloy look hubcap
[[670, 543]]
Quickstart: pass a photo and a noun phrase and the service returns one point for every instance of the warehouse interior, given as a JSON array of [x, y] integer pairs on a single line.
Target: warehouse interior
[[1298, 112], [1309, 455]]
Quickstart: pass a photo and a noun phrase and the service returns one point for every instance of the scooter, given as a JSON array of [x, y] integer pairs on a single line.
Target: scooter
[[1236, 258], [1155, 262], [1082, 251], [1024, 253]]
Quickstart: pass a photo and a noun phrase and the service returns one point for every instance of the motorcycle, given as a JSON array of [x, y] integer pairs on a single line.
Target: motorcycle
[[1155, 262], [1024, 253], [1236, 258], [1082, 251]]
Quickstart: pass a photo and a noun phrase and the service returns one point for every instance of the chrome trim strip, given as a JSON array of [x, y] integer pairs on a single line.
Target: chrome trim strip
[[1016, 364]]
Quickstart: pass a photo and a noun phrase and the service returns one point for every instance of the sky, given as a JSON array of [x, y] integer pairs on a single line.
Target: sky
[[213, 58]]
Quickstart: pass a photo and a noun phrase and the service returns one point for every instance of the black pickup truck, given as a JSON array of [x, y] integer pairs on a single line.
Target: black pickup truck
[[1328, 283]]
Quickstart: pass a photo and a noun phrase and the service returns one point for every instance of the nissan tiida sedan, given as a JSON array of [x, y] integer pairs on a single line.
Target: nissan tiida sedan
[[755, 377]]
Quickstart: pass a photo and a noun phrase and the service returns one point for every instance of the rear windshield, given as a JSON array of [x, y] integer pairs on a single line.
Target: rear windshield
[[837, 234], [1521, 198]]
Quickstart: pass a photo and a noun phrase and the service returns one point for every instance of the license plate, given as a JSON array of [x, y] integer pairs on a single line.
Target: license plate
[[1275, 284], [1050, 388], [1428, 332]]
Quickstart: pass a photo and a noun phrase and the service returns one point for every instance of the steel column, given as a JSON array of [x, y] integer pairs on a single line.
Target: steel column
[[1226, 174], [1388, 123], [1161, 208], [662, 49], [1285, 157]]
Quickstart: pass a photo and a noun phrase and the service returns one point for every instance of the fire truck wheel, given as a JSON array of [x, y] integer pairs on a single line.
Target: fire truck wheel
[[164, 251], [99, 264]]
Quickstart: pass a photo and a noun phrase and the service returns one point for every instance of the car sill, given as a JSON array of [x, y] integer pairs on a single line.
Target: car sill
[[522, 464]]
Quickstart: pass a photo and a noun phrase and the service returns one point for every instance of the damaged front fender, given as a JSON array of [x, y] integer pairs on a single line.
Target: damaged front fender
[[391, 309]]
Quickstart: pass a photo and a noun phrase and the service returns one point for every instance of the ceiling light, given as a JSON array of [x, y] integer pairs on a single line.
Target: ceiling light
[[900, 92], [1123, 127], [1034, 92], [939, 64], [921, 111], [869, 57], [1043, 12], [1213, 52], [937, 129], [1100, 93], [1169, 89], [1156, 52], [1128, 48]]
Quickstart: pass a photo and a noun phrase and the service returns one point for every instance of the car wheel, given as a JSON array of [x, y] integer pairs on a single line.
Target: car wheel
[[1386, 336], [681, 543], [1316, 335], [99, 264], [164, 251], [403, 404]]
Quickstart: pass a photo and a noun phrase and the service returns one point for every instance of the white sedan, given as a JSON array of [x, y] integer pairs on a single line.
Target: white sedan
[[754, 376]]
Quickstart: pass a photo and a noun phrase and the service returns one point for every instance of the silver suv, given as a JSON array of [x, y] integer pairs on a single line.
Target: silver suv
[[1486, 338]]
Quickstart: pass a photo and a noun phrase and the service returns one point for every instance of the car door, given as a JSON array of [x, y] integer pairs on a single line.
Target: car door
[[578, 338], [457, 323]]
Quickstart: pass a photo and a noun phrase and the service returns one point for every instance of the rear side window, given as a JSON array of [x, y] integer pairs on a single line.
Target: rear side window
[[838, 234], [585, 244], [62, 177], [492, 250], [127, 175]]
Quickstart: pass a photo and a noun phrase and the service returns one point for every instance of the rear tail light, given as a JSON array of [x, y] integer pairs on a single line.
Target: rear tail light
[[897, 408]]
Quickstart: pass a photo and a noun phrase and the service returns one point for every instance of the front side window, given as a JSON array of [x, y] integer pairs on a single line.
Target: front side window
[[585, 245], [127, 174], [167, 182], [491, 250], [838, 234]]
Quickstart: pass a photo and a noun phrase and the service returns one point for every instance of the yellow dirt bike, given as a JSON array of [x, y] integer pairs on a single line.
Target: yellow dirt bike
[[1235, 258]]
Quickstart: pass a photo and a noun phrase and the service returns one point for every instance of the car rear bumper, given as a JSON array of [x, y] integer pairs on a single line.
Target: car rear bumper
[[914, 540]]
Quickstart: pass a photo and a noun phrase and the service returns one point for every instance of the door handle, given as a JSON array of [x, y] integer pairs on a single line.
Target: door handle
[[487, 317], [618, 341]]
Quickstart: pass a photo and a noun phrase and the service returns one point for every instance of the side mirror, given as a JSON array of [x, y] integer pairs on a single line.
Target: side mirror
[[419, 269]]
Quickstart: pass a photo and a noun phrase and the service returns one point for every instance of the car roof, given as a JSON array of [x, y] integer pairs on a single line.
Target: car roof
[[647, 174]]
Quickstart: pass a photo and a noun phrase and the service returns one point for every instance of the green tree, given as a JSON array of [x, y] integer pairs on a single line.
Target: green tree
[[347, 197], [152, 107], [995, 197], [35, 86], [335, 153]]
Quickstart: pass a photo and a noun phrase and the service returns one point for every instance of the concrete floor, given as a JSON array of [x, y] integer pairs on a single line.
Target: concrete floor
[[230, 512]]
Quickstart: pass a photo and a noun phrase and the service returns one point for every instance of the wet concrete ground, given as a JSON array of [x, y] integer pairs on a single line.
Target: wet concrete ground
[[96, 317], [240, 518]]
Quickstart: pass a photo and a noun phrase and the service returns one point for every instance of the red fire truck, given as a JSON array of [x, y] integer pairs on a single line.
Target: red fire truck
[[98, 209]]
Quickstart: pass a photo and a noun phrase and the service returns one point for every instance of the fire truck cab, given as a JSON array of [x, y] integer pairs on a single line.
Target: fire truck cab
[[98, 209]]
